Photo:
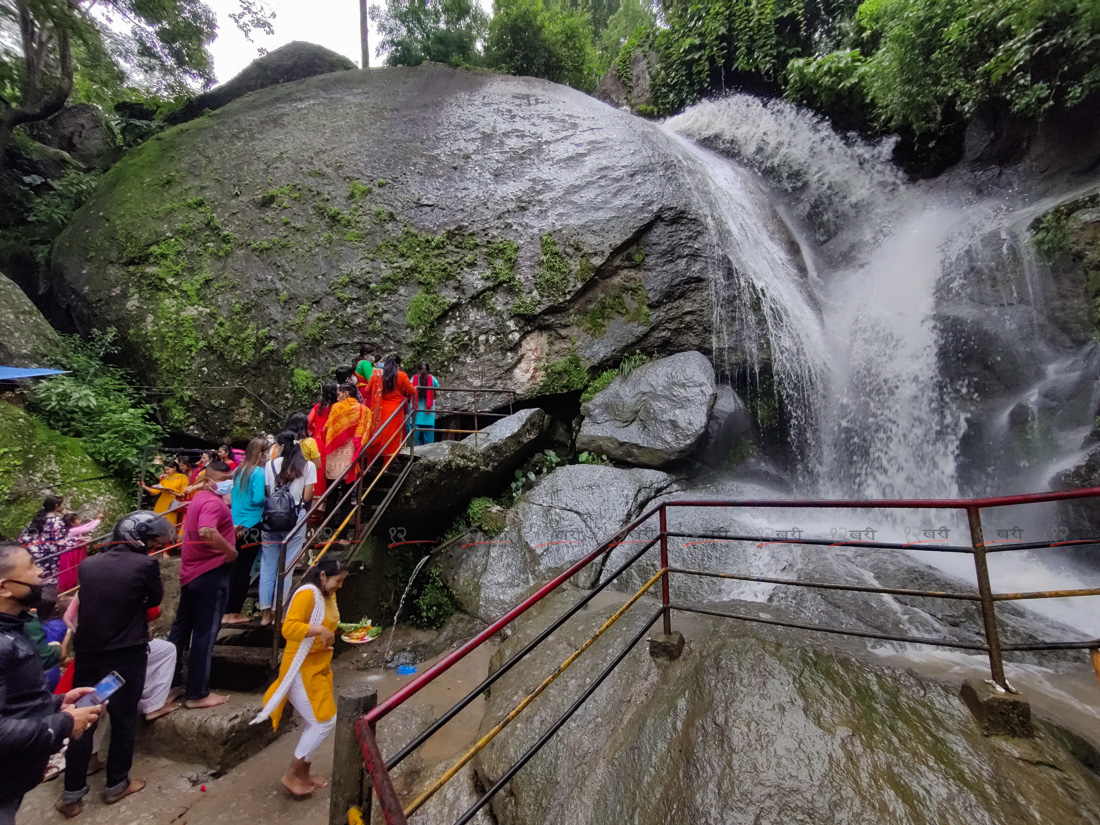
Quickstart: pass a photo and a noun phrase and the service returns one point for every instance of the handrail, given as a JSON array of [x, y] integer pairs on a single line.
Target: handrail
[[985, 597]]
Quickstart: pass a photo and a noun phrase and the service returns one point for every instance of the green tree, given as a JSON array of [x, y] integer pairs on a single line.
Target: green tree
[[159, 44], [444, 31], [628, 18], [527, 38]]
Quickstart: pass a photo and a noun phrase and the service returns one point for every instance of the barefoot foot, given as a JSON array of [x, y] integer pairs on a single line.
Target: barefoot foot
[[211, 700], [296, 786], [134, 786], [318, 781], [161, 711]]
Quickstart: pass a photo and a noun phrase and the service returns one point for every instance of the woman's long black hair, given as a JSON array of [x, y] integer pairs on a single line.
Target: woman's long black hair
[[328, 396], [329, 565], [425, 372], [390, 367], [49, 504], [294, 463], [298, 423]]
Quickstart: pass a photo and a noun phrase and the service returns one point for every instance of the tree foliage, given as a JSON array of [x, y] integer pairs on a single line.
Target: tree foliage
[[443, 31], [527, 37]]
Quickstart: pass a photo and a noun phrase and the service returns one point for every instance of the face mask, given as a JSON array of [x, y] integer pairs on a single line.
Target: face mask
[[224, 488], [33, 595]]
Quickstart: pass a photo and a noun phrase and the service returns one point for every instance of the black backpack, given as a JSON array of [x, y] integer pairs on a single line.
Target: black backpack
[[280, 510]]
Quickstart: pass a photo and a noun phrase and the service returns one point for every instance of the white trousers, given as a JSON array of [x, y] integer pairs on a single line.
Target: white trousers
[[315, 731]]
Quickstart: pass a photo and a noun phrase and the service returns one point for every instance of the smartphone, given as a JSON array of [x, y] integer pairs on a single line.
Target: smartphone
[[106, 688]]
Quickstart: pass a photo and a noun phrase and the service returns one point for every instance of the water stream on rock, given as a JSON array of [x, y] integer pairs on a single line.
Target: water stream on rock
[[389, 659], [913, 348]]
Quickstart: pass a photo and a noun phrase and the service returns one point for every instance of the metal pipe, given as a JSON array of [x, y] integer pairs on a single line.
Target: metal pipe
[[1045, 594], [471, 812], [663, 526], [277, 624], [524, 703], [985, 591], [839, 631], [854, 588], [911, 503], [376, 766], [869, 545], [490, 680]]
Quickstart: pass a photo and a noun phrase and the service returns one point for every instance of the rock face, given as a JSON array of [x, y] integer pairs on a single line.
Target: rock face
[[562, 519], [753, 725], [729, 425], [654, 416], [503, 227], [447, 474], [45, 461], [294, 61], [26, 338]]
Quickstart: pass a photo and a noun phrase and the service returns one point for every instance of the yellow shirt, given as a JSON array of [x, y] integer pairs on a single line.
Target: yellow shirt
[[177, 483], [317, 668], [309, 450]]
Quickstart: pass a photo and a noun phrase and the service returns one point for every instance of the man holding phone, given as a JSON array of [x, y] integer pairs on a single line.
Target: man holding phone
[[33, 724], [117, 586]]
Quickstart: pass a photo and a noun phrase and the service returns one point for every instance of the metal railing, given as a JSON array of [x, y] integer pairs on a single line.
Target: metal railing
[[394, 813]]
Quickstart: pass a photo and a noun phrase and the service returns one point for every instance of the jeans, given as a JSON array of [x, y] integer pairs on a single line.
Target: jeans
[[248, 546], [269, 562], [122, 709], [198, 620]]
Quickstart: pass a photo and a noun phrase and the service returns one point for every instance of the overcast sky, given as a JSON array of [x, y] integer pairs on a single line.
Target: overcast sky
[[333, 24]]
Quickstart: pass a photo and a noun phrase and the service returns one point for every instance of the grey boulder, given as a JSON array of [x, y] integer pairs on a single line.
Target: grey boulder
[[562, 519], [654, 416]]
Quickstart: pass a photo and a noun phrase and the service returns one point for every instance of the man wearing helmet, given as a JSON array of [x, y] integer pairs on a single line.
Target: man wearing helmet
[[117, 586]]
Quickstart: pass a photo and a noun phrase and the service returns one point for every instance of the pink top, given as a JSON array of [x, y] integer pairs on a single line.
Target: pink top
[[197, 557], [81, 529]]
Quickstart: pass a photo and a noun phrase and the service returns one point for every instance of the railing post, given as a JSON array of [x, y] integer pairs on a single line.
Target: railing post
[[346, 786], [985, 592], [141, 474], [277, 625], [392, 812], [663, 521]]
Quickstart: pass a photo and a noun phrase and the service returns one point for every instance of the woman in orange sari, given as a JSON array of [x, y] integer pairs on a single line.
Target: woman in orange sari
[[397, 389], [348, 426]]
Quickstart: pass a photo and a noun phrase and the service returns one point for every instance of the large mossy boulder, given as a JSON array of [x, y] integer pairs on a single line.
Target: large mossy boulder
[[35, 460], [759, 726], [513, 232], [26, 337]]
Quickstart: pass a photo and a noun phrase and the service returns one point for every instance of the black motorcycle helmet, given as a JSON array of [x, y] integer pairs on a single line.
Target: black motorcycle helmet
[[142, 529]]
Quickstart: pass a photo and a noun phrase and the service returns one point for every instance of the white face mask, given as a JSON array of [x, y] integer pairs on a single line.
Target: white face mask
[[224, 488]]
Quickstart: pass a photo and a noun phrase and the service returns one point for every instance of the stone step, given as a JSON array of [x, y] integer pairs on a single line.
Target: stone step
[[219, 738]]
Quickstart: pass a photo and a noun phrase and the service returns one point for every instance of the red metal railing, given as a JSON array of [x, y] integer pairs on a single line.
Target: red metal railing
[[379, 768]]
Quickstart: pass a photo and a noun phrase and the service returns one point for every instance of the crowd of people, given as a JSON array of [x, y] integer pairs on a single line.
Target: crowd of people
[[231, 513]]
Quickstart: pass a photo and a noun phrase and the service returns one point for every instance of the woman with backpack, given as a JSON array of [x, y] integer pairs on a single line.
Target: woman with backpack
[[288, 481], [305, 673], [247, 504]]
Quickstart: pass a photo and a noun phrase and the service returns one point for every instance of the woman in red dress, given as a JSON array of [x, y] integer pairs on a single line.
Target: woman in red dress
[[318, 418]]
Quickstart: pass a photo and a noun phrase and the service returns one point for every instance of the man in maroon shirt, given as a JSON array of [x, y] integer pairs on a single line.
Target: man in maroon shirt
[[209, 548]]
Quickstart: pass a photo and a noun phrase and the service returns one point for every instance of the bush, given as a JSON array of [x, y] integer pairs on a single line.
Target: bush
[[413, 31], [98, 404]]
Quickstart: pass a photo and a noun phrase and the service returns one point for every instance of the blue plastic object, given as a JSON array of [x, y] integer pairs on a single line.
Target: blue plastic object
[[406, 670]]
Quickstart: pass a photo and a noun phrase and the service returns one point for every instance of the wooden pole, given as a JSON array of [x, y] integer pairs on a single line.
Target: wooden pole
[[364, 33], [346, 785]]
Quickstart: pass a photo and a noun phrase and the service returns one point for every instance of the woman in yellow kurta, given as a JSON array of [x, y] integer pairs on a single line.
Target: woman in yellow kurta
[[305, 674]]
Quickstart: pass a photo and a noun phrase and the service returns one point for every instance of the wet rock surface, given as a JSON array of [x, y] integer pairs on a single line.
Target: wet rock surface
[[447, 474], [654, 416], [755, 725], [26, 337], [558, 522]]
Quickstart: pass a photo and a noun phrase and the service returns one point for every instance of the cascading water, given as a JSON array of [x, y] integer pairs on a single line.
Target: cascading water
[[870, 350]]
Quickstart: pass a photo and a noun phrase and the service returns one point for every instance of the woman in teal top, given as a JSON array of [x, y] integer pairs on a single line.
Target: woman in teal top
[[426, 385], [247, 504]]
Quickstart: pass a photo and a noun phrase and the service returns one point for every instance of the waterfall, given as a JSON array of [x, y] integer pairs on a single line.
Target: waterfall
[[917, 349]]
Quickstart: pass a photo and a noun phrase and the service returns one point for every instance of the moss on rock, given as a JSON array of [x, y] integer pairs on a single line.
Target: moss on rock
[[36, 460]]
